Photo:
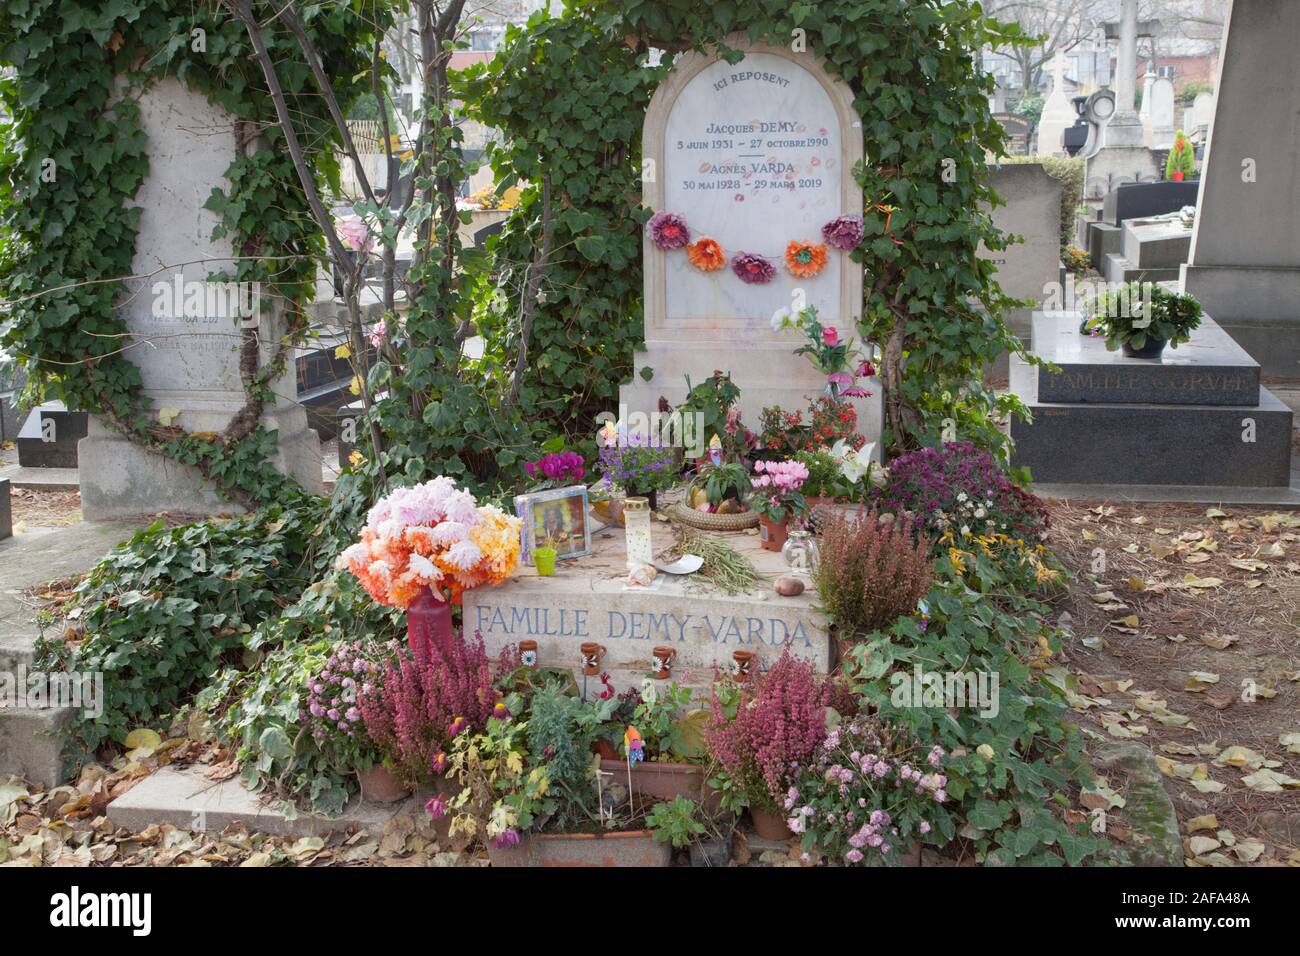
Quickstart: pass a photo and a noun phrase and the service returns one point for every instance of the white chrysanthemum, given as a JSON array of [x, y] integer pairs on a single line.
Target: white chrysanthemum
[[448, 533], [464, 555], [425, 568]]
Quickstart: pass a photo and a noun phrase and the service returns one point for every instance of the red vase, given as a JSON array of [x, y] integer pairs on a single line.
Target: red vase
[[428, 624]]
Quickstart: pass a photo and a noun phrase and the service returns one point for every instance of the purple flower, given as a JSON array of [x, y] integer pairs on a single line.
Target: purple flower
[[437, 807], [668, 231], [752, 268], [844, 232], [507, 838]]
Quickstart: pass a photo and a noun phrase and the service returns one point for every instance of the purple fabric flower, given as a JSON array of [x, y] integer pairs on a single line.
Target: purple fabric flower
[[844, 232], [668, 231], [752, 268]]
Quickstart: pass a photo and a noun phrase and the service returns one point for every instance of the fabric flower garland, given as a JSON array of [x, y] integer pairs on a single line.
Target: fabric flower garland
[[805, 260], [668, 231], [706, 255]]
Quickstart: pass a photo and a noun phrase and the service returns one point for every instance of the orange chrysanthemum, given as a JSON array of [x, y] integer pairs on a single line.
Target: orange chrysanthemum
[[804, 259], [706, 255]]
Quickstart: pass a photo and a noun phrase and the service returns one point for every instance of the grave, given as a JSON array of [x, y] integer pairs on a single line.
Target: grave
[[1103, 236], [1245, 258], [587, 602], [754, 154], [1032, 210], [188, 356], [49, 437], [1195, 417], [1153, 251], [1058, 113]]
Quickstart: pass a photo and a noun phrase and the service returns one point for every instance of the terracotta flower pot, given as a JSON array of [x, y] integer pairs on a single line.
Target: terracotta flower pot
[[742, 665], [381, 785], [1177, 176], [592, 655], [608, 752], [632, 848], [528, 654], [769, 825], [665, 780], [428, 624], [770, 534], [662, 664]]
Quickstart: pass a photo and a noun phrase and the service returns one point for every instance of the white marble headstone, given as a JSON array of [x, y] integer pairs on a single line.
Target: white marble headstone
[[754, 155]]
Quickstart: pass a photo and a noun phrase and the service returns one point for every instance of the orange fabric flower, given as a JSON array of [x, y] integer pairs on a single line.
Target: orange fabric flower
[[804, 259], [706, 255]]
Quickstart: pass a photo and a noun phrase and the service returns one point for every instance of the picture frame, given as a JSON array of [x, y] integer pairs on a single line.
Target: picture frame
[[559, 514]]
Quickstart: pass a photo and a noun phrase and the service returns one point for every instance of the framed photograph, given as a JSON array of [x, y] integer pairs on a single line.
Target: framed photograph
[[556, 518]]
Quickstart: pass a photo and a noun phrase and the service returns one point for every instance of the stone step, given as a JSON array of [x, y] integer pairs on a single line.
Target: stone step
[[1121, 269], [1210, 369], [16, 650], [188, 800], [31, 743], [1154, 444]]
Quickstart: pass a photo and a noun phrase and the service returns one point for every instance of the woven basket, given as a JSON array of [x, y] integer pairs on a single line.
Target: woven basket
[[705, 521]]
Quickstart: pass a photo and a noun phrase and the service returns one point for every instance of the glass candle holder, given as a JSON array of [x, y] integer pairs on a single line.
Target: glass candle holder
[[800, 552], [636, 521]]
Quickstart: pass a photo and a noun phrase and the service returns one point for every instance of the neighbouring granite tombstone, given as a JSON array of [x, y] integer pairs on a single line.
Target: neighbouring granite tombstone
[[1245, 257], [754, 155], [1153, 251], [1018, 131], [50, 436], [6, 510], [1196, 417], [1104, 237], [1027, 269], [186, 330]]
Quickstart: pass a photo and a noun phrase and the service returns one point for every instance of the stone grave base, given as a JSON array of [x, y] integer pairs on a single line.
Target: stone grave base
[[120, 479], [587, 602], [1259, 307], [1195, 417], [1153, 251], [763, 371]]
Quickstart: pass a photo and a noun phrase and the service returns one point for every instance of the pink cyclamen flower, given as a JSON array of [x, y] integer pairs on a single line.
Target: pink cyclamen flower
[[507, 838], [437, 808]]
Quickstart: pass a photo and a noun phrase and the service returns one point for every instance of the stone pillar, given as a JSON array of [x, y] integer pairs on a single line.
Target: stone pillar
[[1126, 60], [1245, 257], [185, 330]]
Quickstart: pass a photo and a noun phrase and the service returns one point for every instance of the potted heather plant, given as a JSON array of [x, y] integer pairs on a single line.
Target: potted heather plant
[[871, 572], [420, 703], [777, 499], [758, 731]]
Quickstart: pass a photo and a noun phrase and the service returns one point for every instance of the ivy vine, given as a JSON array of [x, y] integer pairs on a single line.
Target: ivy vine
[[74, 158]]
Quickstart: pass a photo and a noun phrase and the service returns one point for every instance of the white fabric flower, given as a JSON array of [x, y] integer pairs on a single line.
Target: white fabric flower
[[781, 319]]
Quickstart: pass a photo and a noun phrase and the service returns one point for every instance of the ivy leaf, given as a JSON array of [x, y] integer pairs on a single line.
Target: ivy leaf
[[591, 247]]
